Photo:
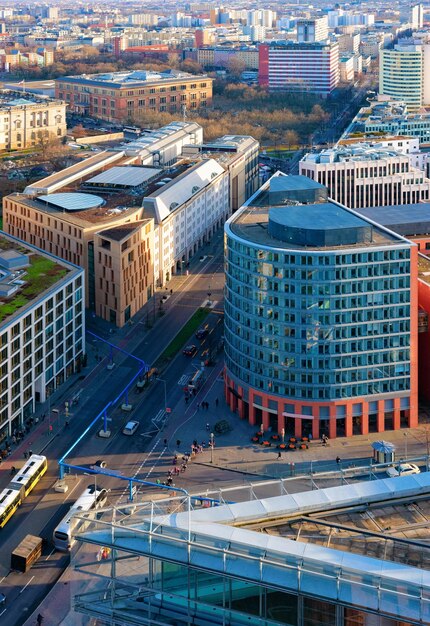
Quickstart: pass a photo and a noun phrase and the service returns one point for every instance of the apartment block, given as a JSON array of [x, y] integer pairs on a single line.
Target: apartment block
[[41, 328], [359, 176], [26, 120], [312, 67], [126, 96]]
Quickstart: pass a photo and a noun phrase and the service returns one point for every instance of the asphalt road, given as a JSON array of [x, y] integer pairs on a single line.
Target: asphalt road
[[44, 508]]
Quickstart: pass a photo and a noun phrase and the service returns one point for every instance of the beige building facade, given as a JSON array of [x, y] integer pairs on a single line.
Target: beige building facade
[[26, 121]]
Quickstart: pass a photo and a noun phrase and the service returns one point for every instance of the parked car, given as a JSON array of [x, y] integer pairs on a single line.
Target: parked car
[[100, 463], [190, 350], [130, 428], [403, 469]]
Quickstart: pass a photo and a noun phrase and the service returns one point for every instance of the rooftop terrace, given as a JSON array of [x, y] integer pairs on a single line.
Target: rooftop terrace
[[25, 274]]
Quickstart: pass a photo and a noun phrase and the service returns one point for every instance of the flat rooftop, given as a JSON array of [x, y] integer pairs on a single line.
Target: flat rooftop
[[251, 223], [407, 220], [117, 80], [26, 273], [10, 99]]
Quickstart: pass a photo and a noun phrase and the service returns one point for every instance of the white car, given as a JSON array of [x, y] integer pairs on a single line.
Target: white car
[[130, 428], [404, 469]]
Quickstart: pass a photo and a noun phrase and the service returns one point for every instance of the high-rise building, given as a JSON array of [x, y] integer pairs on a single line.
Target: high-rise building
[[360, 175], [312, 67], [321, 314], [417, 16], [404, 74], [312, 30]]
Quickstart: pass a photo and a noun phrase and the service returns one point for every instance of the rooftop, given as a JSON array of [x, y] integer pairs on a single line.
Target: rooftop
[[407, 220], [352, 152], [133, 78], [10, 99], [26, 273], [295, 225]]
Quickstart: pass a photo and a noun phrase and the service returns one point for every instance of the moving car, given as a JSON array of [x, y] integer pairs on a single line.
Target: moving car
[[130, 428], [202, 332], [190, 350], [404, 469]]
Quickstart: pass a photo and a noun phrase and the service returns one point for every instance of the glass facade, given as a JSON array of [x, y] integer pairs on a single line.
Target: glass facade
[[322, 325]]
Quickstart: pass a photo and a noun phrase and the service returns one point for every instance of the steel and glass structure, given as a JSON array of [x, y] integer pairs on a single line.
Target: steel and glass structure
[[320, 317]]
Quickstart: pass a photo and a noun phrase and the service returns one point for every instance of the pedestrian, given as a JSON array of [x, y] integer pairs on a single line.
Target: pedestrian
[[208, 426], [25, 454], [279, 455], [67, 423], [216, 402], [171, 292], [39, 619], [310, 437], [207, 405], [186, 399], [338, 460], [165, 442], [30, 452], [178, 443], [13, 439], [198, 406]]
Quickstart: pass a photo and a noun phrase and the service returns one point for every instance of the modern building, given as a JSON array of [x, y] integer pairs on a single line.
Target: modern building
[[312, 30], [132, 216], [26, 120], [224, 57], [126, 96], [312, 67], [404, 74], [316, 558], [360, 175], [321, 314], [42, 327], [394, 117]]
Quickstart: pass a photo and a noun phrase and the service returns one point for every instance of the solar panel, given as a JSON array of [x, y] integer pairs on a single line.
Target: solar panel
[[124, 176]]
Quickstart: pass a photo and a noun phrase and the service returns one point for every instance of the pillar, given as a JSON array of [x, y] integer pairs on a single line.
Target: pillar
[[348, 420], [365, 419], [396, 410], [265, 419], [380, 420], [316, 426], [332, 430], [251, 409], [241, 404], [281, 417]]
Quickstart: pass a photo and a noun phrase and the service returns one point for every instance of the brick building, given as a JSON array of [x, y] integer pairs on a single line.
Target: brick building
[[126, 96]]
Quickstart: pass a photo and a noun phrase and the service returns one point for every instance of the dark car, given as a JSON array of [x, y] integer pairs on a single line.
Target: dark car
[[190, 350], [201, 333]]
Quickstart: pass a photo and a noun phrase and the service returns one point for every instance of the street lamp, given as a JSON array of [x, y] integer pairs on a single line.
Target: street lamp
[[312, 480], [406, 445], [161, 380], [211, 444]]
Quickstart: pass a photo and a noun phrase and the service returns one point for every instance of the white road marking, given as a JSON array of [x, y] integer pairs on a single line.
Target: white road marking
[[2, 579], [4, 611], [26, 584], [183, 380], [159, 416], [50, 554]]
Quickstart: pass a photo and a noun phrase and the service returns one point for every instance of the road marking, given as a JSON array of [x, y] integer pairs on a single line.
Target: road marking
[[159, 416], [183, 380], [50, 554], [27, 584], [2, 579], [4, 611]]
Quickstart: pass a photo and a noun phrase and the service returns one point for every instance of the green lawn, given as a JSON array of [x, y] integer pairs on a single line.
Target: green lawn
[[185, 333], [40, 275]]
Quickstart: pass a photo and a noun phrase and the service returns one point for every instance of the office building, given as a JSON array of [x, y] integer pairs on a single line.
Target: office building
[[393, 117], [42, 327], [126, 96], [316, 558], [222, 57], [312, 30], [321, 314], [26, 121], [417, 16], [312, 67], [364, 175], [132, 216], [404, 74]]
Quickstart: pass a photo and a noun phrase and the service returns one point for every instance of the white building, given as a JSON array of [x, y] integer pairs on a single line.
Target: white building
[[417, 16], [404, 74], [42, 334], [393, 117], [362, 175], [186, 212], [312, 30], [346, 68]]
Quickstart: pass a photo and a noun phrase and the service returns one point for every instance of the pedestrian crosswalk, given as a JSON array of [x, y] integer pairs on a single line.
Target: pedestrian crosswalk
[[183, 380]]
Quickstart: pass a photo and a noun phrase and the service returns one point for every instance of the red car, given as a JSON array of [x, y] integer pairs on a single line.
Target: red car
[[190, 350]]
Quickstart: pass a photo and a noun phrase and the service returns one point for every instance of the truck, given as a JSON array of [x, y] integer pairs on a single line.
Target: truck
[[26, 553]]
